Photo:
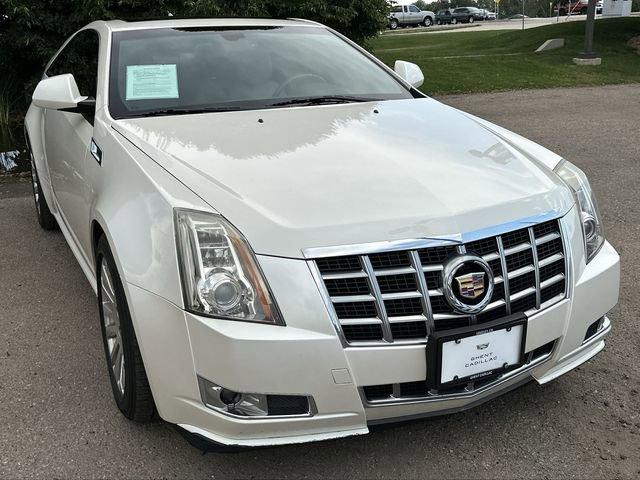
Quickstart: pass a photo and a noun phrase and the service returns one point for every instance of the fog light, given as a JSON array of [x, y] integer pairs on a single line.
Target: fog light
[[229, 397], [252, 404]]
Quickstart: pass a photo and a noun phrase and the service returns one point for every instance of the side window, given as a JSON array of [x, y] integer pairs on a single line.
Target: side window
[[414, 9], [405, 9], [396, 10], [80, 58]]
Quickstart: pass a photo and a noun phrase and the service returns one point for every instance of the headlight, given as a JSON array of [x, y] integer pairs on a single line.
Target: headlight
[[220, 275], [591, 225]]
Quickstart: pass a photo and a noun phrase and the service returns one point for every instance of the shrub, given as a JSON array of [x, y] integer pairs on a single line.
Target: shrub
[[32, 30]]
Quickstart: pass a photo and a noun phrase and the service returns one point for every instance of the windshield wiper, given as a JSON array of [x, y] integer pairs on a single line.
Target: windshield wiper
[[184, 111], [324, 100]]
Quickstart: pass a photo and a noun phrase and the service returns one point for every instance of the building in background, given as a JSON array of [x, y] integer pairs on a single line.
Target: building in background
[[617, 8]]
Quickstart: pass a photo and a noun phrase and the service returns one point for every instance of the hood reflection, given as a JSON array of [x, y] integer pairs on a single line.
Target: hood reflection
[[241, 135]]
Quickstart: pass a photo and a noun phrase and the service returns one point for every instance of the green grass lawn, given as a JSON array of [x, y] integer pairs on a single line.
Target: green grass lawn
[[510, 62]]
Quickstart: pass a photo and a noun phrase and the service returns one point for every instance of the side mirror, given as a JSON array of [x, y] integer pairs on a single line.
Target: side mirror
[[410, 72], [58, 93]]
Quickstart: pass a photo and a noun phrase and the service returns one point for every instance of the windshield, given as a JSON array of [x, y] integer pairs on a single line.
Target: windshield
[[171, 71]]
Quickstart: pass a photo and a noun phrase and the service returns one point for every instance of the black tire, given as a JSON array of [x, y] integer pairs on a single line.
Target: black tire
[[454, 21], [393, 25], [438, 22], [471, 19], [45, 218], [427, 22], [133, 397]]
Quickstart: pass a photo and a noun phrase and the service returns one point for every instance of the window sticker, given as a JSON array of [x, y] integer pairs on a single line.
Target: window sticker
[[151, 81]]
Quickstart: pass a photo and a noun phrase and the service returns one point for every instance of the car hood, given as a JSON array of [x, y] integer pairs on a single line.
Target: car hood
[[296, 178]]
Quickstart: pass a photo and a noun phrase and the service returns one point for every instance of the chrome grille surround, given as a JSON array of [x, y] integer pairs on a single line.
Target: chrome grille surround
[[409, 306]]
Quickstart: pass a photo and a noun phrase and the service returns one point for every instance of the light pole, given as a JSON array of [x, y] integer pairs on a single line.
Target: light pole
[[522, 14], [588, 31], [588, 56]]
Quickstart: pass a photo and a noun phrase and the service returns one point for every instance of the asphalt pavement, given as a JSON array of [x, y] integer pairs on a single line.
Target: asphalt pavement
[[57, 417]]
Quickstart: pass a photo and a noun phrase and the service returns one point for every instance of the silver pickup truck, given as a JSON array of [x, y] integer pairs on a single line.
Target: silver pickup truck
[[405, 15]]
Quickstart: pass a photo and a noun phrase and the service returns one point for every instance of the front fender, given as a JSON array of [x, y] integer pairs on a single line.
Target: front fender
[[133, 205]]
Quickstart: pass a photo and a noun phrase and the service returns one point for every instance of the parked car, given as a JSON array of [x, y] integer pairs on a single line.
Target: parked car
[[518, 16], [272, 266], [444, 17], [410, 15], [488, 15], [466, 15]]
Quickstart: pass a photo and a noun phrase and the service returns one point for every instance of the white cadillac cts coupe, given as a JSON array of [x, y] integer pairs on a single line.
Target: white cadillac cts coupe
[[289, 242]]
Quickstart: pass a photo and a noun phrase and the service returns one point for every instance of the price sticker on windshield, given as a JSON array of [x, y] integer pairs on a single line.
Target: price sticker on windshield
[[146, 82]]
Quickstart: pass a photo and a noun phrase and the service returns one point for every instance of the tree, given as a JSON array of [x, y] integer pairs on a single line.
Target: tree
[[32, 30]]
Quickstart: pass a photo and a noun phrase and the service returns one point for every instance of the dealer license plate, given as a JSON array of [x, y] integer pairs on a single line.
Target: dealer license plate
[[477, 352]]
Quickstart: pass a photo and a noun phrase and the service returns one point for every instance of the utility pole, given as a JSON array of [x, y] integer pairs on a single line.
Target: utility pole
[[588, 56], [522, 14], [588, 31]]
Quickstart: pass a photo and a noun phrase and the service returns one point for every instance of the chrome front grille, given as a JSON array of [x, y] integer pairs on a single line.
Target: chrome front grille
[[397, 297]]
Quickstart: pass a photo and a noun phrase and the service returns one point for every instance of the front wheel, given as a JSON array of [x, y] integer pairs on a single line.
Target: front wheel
[[427, 22], [438, 22], [454, 21], [394, 24], [471, 19], [129, 381]]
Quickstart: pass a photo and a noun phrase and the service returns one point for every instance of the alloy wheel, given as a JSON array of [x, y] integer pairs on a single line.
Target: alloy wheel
[[35, 183], [112, 327]]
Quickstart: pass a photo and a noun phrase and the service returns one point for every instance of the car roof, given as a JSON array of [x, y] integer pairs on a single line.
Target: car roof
[[121, 25]]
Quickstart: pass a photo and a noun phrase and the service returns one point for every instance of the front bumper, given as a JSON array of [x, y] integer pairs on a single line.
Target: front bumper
[[307, 358]]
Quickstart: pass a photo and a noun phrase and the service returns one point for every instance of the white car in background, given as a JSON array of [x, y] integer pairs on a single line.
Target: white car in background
[[289, 242], [489, 15]]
